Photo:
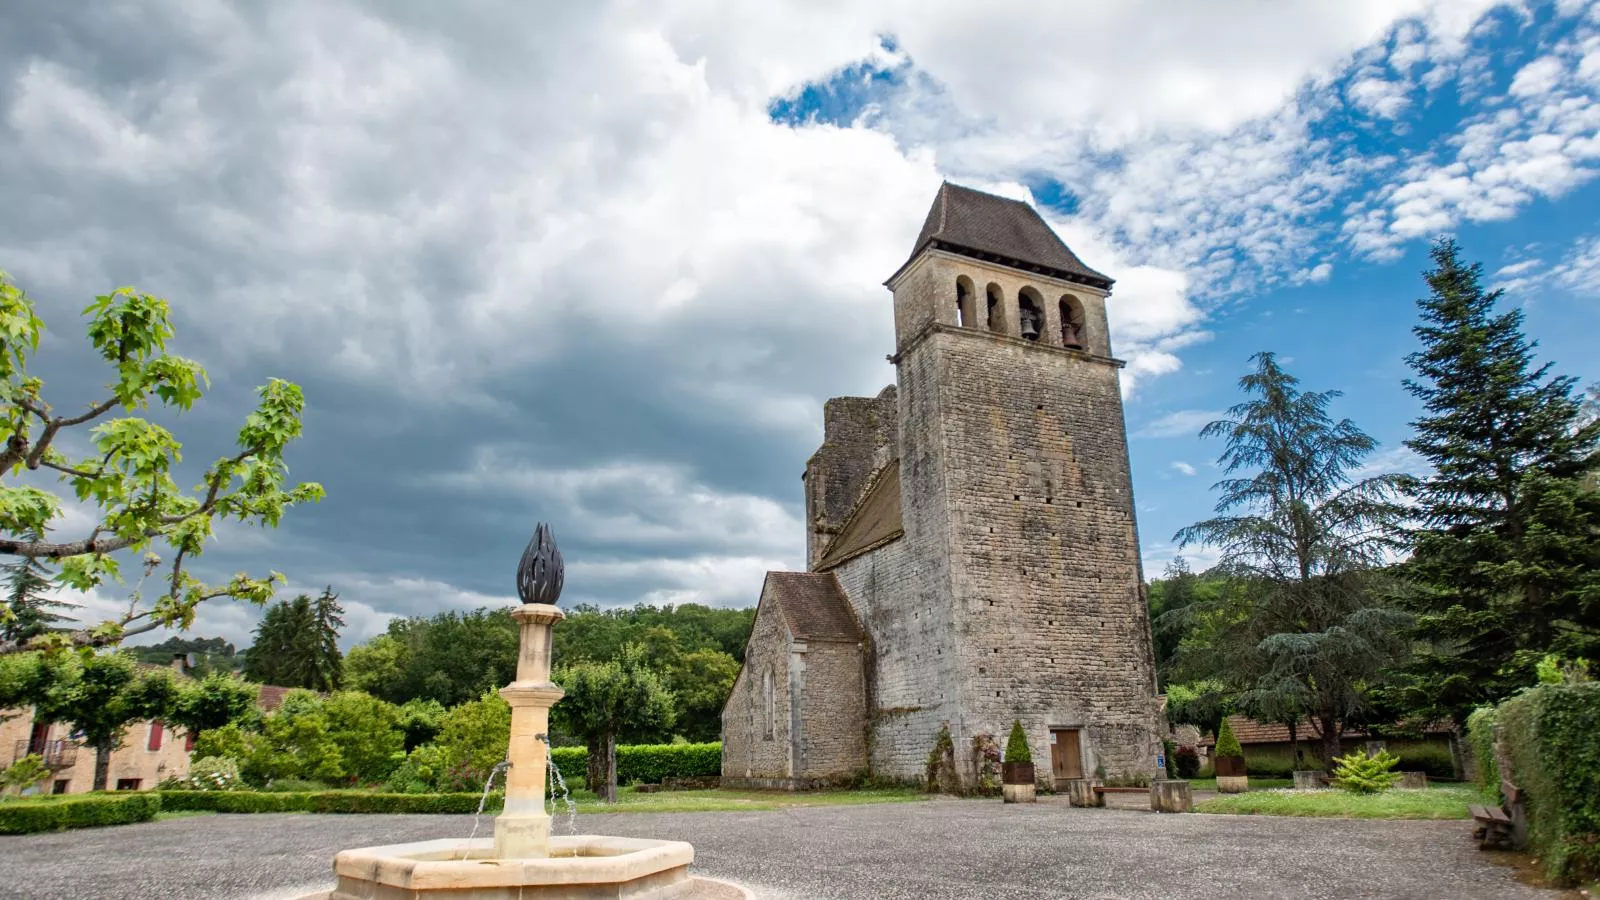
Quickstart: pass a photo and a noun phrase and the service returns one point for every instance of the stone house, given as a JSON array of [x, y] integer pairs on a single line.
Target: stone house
[[151, 751], [971, 546]]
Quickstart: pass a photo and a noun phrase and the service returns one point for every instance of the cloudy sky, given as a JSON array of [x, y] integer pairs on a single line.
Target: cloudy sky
[[600, 263]]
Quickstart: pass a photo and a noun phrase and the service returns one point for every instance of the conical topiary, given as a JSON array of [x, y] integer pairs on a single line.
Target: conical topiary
[[1228, 745], [1017, 745]]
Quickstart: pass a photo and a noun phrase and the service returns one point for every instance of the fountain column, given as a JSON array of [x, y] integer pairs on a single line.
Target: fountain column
[[522, 830]]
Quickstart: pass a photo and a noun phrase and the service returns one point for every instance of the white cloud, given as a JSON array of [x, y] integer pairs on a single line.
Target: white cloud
[[1180, 423], [1183, 468]]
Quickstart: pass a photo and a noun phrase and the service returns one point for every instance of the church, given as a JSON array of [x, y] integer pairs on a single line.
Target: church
[[972, 555]]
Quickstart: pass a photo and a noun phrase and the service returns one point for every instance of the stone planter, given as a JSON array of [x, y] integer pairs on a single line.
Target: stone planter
[[1170, 796], [1308, 780], [1016, 782], [1231, 777], [1413, 780], [1080, 792]]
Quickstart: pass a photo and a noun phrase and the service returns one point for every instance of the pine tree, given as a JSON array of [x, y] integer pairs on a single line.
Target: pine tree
[[28, 611], [1506, 559], [297, 644]]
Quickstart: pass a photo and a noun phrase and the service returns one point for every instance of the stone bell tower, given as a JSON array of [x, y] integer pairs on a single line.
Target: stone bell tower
[[1016, 491]]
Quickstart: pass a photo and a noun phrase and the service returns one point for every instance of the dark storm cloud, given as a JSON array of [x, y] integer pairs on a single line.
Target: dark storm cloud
[[498, 251]]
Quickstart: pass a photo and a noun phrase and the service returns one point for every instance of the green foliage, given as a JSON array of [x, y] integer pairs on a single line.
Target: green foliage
[[941, 770], [700, 682], [297, 644], [607, 701], [1017, 744], [23, 774], [327, 802], [31, 816], [473, 739], [1227, 744], [127, 473], [1549, 733], [420, 721], [451, 658], [214, 701], [1188, 761], [367, 732], [213, 655], [1508, 559], [29, 611], [653, 763], [1202, 704], [1359, 773], [229, 741], [349, 737]]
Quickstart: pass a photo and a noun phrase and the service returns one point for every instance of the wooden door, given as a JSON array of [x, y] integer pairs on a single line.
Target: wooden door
[[1066, 756]]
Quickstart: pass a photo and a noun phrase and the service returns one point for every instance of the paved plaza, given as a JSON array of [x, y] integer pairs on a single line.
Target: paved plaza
[[940, 849]]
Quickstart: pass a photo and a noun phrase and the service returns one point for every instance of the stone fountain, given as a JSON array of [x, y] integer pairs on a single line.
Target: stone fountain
[[523, 860]]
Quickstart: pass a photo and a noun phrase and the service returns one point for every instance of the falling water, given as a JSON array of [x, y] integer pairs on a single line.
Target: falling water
[[560, 794], [488, 785]]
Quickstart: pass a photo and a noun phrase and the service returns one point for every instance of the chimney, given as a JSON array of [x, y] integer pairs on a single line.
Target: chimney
[[178, 663]]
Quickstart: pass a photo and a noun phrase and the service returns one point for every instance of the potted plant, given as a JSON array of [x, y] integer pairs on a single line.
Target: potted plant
[[1231, 777], [1016, 773]]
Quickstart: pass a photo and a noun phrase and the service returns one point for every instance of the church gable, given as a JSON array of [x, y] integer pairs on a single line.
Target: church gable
[[813, 606]]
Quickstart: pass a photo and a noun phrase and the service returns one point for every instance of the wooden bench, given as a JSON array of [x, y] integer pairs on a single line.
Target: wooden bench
[[1497, 824]]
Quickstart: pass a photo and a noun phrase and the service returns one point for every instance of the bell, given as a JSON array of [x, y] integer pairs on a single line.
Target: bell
[[1030, 329]]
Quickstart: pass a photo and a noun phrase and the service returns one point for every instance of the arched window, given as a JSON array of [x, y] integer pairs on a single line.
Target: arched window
[[966, 308], [992, 320], [1030, 313], [769, 705], [1071, 322]]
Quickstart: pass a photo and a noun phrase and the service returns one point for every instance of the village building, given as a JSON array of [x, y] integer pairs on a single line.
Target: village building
[[971, 545]]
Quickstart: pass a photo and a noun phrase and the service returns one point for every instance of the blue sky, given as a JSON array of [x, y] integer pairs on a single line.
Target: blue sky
[[601, 264]]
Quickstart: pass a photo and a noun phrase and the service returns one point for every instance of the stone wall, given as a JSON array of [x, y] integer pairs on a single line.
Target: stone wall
[[749, 750], [833, 742], [858, 434]]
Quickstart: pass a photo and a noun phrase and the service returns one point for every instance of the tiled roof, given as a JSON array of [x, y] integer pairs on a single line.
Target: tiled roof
[[271, 697], [875, 520], [1249, 731], [981, 225], [813, 605]]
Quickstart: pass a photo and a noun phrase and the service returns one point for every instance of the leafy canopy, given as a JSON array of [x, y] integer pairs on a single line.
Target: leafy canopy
[[128, 473]]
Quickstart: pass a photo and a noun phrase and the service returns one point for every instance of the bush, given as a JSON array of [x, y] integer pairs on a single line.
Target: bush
[[81, 811], [1227, 744], [1188, 762], [208, 773], [24, 773], [327, 802], [1359, 773], [1435, 761], [646, 763], [1549, 733], [1480, 734], [1017, 745], [1269, 767], [294, 786]]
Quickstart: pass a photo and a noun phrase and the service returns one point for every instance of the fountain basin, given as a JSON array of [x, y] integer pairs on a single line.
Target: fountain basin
[[579, 867]]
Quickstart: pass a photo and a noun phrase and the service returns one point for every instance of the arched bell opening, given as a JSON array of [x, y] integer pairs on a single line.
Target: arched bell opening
[[1030, 314], [966, 303], [992, 319], [1071, 322]]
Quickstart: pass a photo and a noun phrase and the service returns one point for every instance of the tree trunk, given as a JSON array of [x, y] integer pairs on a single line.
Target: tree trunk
[[102, 764], [1330, 741], [1294, 745], [610, 795], [594, 770]]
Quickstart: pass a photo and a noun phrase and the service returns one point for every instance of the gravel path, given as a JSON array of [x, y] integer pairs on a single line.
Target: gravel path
[[940, 849]]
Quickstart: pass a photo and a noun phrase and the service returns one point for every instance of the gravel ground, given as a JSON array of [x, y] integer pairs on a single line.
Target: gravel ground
[[939, 849]]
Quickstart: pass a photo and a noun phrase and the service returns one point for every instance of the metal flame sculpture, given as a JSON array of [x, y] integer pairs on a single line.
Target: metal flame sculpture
[[539, 574]]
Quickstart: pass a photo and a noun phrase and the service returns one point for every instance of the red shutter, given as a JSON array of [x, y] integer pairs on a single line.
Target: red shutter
[[155, 734], [188, 740]]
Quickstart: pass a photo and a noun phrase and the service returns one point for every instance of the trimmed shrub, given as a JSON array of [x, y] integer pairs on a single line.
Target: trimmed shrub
[[1268, 766], [1549, 733], [646, 763], [1480, 735], [1363, 774], [1017, 744], [1227, 744], [1434, 760], [80, 811], [326, 802]]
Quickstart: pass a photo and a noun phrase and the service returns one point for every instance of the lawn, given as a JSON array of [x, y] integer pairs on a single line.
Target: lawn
[[1256, 784], [718, 800], [1429, 803]]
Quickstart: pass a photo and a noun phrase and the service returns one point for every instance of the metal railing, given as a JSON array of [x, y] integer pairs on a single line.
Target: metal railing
[[62, 754]]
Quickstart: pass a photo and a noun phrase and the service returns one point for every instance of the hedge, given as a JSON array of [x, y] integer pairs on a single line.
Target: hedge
[[647, 763], [326, 802], [1550, 737], [82, 811]]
